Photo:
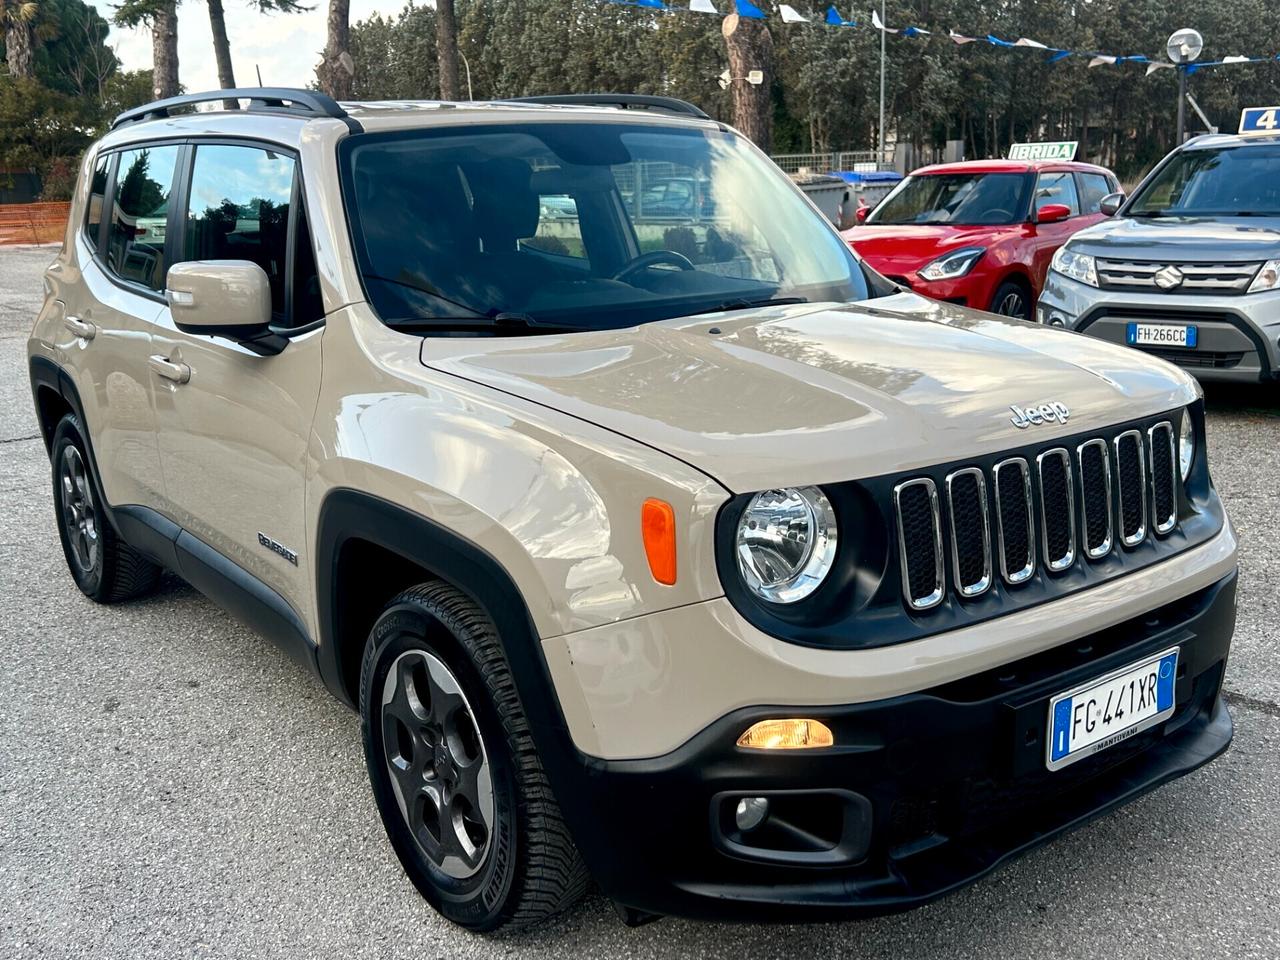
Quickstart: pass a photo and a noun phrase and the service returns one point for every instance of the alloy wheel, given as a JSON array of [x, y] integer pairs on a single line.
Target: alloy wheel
[[79, 515], [437, 763], [1012, 305]]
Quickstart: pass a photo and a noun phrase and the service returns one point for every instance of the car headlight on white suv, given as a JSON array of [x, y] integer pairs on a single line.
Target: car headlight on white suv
[[1077, 266], [1186, 445], [786, 543], [951, 266], [1268, 278]]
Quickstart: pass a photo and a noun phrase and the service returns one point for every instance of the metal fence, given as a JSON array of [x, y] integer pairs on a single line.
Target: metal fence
[[864, 161]]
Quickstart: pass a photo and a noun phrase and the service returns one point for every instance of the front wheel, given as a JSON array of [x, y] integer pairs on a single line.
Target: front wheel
[[1012, 300], [454, 770]]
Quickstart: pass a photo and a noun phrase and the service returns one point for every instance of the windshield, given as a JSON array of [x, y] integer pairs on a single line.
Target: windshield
[[583, 226], [1237, 181], [977, 199]]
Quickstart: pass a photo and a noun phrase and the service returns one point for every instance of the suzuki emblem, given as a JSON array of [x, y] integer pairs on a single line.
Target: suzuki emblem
[[1168, 278]]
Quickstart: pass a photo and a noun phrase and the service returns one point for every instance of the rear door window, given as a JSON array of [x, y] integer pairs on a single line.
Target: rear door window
[[140, 214], [1093, 187]]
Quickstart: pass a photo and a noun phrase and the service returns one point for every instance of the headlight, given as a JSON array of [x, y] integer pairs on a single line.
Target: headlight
[[1077, 266], [951, 265], [1268, 277], [786, 543], [1186, 445]]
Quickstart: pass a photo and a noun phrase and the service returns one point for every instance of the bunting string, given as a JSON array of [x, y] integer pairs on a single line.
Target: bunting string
[[833, 18]]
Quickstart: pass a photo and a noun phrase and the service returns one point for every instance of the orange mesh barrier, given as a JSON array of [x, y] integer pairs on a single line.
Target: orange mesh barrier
[[33, 222]]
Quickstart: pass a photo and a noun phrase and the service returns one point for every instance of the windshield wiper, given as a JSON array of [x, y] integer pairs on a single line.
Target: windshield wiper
[[500, 325], [746, 303], [1149, 214]]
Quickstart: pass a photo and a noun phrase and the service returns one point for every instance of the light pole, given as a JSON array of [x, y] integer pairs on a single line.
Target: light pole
[[468, 66], [1183, 47], [882, 33]]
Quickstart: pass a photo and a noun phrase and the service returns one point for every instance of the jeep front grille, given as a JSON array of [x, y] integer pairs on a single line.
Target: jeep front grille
[[1228, 278], [920, 542], [1054, 510]]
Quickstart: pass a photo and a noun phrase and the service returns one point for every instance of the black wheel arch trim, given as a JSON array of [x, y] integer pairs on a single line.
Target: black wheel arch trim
[[346, 514]]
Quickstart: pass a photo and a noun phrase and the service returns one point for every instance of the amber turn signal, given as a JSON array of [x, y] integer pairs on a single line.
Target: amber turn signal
[[787, 735], [658, 526]]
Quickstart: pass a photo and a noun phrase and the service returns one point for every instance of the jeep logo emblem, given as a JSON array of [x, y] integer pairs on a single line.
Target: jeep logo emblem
[[1168, 278], [1052, 412]]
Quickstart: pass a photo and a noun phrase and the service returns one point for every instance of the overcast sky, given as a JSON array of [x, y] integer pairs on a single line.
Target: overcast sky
[[285, 47]]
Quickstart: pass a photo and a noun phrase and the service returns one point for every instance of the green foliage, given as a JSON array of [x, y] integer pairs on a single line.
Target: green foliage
[[827, 83], [43, 130]]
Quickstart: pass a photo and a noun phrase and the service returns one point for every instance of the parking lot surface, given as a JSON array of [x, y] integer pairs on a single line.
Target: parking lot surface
[[173, 786]]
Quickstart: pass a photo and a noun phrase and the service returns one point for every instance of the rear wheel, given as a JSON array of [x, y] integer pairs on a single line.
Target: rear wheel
[[1012, 299], [104, 567], [454, 769]]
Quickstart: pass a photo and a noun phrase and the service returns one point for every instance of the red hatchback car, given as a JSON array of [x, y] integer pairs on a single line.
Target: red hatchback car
[[981, 233]]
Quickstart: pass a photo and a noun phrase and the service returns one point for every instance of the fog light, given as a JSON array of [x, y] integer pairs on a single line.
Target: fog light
[[750, 813], [787, 735]]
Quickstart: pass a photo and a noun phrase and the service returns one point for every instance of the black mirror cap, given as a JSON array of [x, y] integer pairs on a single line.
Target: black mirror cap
[[1111, 203]]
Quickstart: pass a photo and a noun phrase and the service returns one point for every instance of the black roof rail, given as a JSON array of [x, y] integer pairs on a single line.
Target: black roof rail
[[626, 101], [261, 100]]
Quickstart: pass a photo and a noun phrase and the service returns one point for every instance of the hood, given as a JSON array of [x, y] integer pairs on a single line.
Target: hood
[[1178, 239], [821, 393], [899, 249]]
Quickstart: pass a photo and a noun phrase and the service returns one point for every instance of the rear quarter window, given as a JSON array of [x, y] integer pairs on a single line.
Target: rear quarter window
[[97, 193]]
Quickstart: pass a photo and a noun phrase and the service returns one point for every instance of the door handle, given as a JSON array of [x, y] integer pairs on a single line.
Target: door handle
[[81, 328], [177, 372]]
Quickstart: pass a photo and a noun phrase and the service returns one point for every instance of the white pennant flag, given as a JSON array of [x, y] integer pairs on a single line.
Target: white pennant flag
[[791, 15], [1024, 42], [875, 22], [702, 6], [1153, 67], [1100, 60], [960, 38], [1235, 59]]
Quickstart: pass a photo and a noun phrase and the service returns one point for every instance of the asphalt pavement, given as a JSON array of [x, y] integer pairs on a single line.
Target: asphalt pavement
[[172, 786]]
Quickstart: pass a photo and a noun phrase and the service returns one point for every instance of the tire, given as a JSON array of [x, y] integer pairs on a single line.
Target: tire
[[1012, 296], [104, 567], [439, 709]]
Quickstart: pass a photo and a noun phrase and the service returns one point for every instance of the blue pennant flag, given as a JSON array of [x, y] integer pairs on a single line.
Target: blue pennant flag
[[914, 32], [654, 4], [748, 9], [835, 20], [1058, 55], [997, 42]]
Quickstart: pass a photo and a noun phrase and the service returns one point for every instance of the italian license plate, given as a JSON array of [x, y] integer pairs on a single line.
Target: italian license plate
[[1161, 335], [1108, 711]]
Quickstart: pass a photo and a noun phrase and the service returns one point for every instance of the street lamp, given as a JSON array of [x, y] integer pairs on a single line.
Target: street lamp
[[1183, 48]]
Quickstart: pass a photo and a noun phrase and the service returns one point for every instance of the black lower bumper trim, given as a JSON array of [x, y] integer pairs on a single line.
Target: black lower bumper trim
[[955, 777]]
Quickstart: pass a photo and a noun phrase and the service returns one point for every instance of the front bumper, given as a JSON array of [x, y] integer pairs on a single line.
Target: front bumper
[[1239, 336], [953, 777]]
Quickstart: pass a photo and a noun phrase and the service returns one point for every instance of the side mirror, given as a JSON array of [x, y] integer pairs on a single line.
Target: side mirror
[[1053, 213], [1111, 203], [224, 298]]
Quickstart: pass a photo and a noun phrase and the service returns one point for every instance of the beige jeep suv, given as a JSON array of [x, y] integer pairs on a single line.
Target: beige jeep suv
[[668, 546]]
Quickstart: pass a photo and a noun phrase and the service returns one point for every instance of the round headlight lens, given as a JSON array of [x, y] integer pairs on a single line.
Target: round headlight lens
[[1186, 445], [786, 543]]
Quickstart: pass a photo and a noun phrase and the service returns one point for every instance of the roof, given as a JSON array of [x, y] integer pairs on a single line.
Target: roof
[[1007, 166], [1215, 141]]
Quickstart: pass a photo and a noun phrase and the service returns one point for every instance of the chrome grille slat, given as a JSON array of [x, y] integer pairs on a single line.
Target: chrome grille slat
[[1008, 524], [1103, 509], [1131, 489], [1053, 489], [910, 545], [969, 522], [1164, 474]]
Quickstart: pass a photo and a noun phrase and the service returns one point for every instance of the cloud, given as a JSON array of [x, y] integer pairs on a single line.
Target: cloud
[[285, 47]]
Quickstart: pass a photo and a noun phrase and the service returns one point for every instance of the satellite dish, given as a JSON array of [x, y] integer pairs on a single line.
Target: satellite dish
[[1184, 46]]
